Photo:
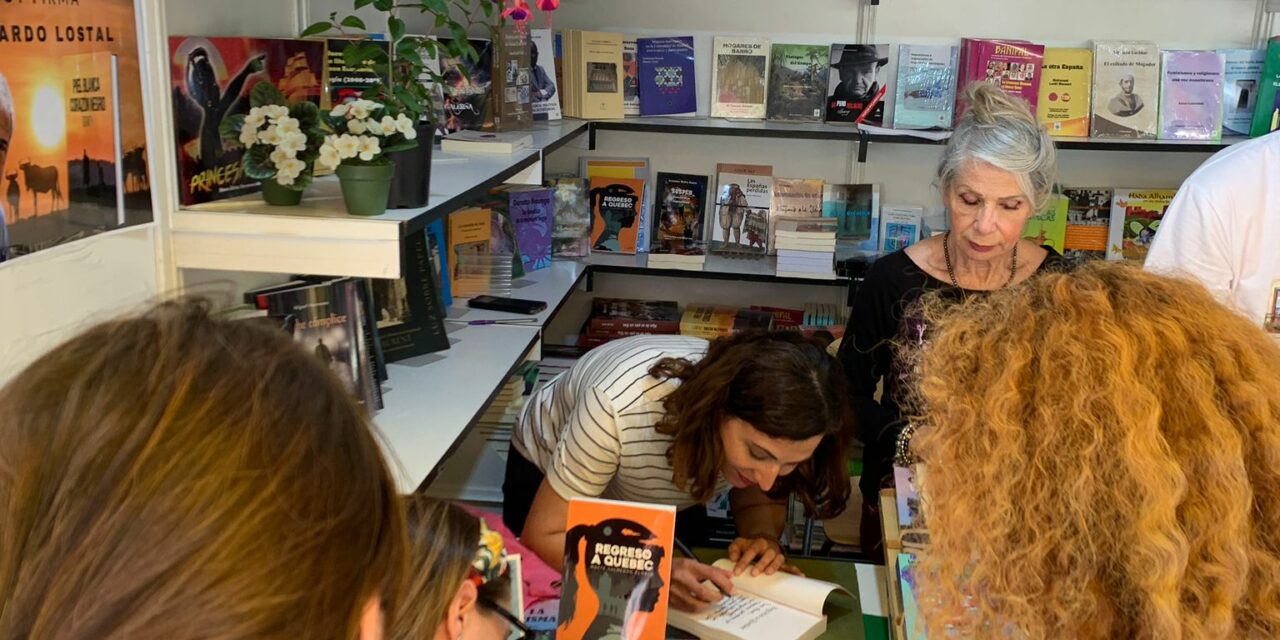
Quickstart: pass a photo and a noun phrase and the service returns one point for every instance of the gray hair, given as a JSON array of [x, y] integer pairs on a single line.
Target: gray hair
[[1000, 130]]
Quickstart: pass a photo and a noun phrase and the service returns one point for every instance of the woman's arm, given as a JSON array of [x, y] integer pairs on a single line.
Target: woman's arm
[[544, 529], [759, 520]]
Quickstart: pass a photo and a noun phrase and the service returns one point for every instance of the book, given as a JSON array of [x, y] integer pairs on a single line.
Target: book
[[409, 311], [543, 78], [1065, 91], [797, 83], [793, 198], [92, 144], [617, 570], [571, 225], [1126, 89], [1266, 113], [470, 232], [858, 76], [598, 67], [1012, 65], [503, 240], [1049, 227], [468, 141], [467, 86], [856, 208], [779, 606], [439, 261], [712, 321], [668, 85], [912, 623], [680, 213], [744, 194], [899, 227], [739, 77], [1240, 88], [615, 213], [1088, 223], [532, 210], [512, 88], [1135, 218], [207, 169], [925, 92], [630, 77], [343, 82], [622, 314], [634, 168], [1191, 95]]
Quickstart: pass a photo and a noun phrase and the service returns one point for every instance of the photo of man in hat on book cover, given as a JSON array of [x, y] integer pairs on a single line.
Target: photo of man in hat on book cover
[[855, 80]]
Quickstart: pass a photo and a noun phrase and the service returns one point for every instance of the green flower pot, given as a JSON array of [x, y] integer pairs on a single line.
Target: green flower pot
[[279, 196], [365, 188]]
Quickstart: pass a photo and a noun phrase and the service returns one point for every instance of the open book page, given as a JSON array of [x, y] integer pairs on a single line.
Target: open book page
[[745, 615], [804, 594]]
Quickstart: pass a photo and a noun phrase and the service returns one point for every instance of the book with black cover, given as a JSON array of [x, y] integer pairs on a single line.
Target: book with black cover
[[410, 310]]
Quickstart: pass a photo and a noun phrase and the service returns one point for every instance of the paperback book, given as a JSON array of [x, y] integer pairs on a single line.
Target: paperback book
[[797, 83], [899, 227], [1065, 85], [1191, 95], [679, 222], [512, 89], [1088, 223], [743, 197], [439, 261], [1049, 227], [597, 57], [739, 77], [615, 315], [544, 89], [633, 168], [858, 78], [467, 87], [410, 310], [1135, 218], [532, 210], [615, 213], [1240, 88], [793, 198], [630, 77], [1126, 89], [856, 209], [1266, 114], [470, 266], [343, 82], [571, 225], [668, 85], [926, 88], [1012, 65]]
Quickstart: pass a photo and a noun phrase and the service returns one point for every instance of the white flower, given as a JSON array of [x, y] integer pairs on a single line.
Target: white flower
[[347, 146], [411, 134], [248, 136], [356, 126], [293, 166], [279, 156], [276, 111], [404, 124], [388, 125], [293, 143], [270, 136], [288, 125], [372, 127], [285, 179], [339, 110], [255, 118], [329, 158], [369, 148], [358, 110]]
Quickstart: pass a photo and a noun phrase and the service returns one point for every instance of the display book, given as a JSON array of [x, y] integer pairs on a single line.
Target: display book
[[1065, 96], [739, 77], [856, 208], [679, 221], [593, 74], [613, 318], [712, 321], [481, 255], [905, 536], [1135, 219], [544, 88], [512, 79], [1012, 65], [858, 84], [1191, 92], [571, 219], [1243, 70], [744, 194], [1266, 113], [806, 247], [1126, 89], [797, 83], [613, 228], [925, 91]]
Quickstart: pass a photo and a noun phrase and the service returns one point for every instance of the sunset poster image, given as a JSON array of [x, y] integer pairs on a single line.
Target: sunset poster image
[[211, 79], [72, 136]]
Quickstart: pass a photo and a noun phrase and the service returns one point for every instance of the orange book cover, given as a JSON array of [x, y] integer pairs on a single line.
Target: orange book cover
[[615, 213], [617, 570], [469, 237]]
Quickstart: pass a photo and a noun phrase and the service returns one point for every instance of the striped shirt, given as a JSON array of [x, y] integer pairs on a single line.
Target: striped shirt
[[591, 429]]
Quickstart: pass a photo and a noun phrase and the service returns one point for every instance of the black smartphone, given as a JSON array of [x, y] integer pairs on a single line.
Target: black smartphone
[[510, 305]]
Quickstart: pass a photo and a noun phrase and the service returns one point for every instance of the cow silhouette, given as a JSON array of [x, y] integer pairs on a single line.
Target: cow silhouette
[[41, 180], [135, 169], [14, 194]]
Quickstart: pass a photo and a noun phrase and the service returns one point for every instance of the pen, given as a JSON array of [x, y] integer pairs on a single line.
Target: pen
[[473, 323], [683, 548]]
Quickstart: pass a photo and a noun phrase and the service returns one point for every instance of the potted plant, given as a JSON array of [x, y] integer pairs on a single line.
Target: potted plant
[[281, 142], [365, 134], [412, 85]]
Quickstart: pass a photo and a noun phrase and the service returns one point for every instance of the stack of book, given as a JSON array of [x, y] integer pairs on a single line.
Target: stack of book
[[820, 314], [613, 318], [807, 247], [593, 74], [691, 257], [713, 321]]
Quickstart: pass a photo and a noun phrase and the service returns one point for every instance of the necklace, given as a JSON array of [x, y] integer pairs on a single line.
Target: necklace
[[951, 271]]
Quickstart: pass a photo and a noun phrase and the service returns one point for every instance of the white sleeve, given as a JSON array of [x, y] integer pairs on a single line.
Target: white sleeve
[[586, 458], [1193, 242]]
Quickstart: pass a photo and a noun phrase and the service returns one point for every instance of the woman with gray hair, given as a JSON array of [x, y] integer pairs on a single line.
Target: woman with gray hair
[[998, 169]]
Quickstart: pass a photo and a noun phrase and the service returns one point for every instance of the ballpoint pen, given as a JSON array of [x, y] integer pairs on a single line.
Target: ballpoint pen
[[474, 323]]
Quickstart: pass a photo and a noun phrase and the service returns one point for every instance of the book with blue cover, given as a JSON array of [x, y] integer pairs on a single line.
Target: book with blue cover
[[1240, 88], [926, 88], [667, 81]]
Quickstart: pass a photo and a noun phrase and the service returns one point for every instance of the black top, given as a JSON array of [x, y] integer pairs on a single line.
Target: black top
[[892, 285]]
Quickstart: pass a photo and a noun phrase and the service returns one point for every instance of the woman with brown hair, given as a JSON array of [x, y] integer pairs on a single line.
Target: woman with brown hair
[[1101, 457], [173, 475], [674, 420]]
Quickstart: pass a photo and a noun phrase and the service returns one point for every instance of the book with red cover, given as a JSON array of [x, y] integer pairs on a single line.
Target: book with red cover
[[617, 570], [1012, 65], [644, 316]]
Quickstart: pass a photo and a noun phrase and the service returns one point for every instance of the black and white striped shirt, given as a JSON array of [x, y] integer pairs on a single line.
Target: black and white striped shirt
[[591, 429]]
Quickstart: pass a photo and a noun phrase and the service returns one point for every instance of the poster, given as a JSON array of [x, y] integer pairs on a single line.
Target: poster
[[73, 158]]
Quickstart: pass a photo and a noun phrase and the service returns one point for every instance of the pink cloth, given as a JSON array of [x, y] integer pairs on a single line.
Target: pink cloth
[[538, 577]]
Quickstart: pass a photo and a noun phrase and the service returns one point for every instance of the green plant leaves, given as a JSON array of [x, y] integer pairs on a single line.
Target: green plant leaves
[[396, 27], [317, 29], [353, 22], [265, 93], [231, 126], [257, 163], [363, 3]]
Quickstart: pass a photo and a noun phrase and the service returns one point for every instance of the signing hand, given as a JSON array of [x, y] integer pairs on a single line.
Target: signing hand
[[688, 593], [762, 555]]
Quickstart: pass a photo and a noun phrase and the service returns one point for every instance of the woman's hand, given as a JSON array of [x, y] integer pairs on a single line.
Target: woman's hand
[[688, 593], [761, 554]]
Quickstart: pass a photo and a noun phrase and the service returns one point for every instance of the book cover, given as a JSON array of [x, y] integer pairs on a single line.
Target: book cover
[[668, 85], [1049, 227], [409, 310], [926, 88], [602, 72], [1126, 89], [858, 77], [571, 226], [470, 231], [739, 77], [621, 314], [678, 223], [912, 622], [512, 89], [1012, 65], [532, 211], [1135, 218], [469, 141], [634, 168], [1088, 223], [615, 213], [439, 263], [793, 198], [630, 77], [543, 77], [93, 126], [899, 227], [617, 570], [468, 86], [744, 194], [1266, 113], [324, 318], [797, 83], [707, 320], [344, 83], [1240, 88], [1065, 86], [856, 207], [502, 230], [212, 79], [1191, 95]]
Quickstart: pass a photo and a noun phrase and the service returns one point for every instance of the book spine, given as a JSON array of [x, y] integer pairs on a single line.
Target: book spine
[[646, 326]]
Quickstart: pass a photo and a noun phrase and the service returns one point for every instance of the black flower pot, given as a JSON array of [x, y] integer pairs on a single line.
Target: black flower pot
[[410, 186]]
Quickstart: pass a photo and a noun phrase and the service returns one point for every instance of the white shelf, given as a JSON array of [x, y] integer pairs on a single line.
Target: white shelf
[[551, 285], [715, 267]]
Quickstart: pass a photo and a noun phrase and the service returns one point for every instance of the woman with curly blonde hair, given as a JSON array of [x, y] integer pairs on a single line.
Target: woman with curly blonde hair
[[1102, 457]]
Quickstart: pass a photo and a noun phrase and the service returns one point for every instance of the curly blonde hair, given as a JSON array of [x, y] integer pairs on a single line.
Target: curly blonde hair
[[1103, 461]]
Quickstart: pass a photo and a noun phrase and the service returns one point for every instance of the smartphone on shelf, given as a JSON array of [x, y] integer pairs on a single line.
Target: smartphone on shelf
[[510, 305]]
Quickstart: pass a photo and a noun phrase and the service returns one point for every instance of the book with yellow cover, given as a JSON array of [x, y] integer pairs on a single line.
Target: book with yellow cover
[[600, 64], [1065, 80], [1049, 227], [470, 232], [617, 570]]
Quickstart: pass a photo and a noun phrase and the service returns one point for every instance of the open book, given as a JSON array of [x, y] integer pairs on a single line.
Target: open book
[[776, 607]]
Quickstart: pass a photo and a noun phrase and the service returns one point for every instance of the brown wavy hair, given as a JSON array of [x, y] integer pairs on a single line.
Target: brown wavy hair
[[781, 383], [174, 475], [1102, 460]]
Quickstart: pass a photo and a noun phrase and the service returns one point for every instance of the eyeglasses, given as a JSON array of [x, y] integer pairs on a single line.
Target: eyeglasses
[[518, 630]]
